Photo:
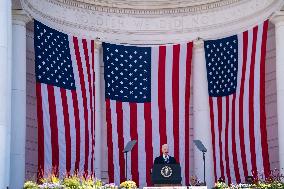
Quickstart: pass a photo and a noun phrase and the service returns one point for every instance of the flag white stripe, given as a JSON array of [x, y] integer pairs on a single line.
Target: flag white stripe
[[169, 98], [217, 154], [72, 129], [47, 130], [126, 134], [115, 142], [232, 171], [154, 103], [182, 77], [223, 141], [89, 105], [61, 131], [88, 90], [141, 144]]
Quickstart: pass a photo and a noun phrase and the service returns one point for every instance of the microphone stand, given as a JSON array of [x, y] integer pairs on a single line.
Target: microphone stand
[[126, 165], [204, 182]]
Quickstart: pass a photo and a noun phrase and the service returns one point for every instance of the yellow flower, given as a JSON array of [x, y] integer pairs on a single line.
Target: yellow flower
[[128, 184]]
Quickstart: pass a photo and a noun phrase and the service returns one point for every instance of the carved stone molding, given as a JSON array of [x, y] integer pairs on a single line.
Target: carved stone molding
[[155, 4], [146, 7], [151, 22], [19, 17]]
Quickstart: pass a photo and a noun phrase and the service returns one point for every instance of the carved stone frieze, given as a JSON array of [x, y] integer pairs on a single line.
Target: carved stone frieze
[[151, 22]]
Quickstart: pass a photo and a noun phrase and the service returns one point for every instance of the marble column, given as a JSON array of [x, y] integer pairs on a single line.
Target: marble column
[[98, 111], [278, 20], [5, 91], [201, 115], [18, 127]]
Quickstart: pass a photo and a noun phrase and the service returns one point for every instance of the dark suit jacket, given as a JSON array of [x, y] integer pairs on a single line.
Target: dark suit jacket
[[161, 160]]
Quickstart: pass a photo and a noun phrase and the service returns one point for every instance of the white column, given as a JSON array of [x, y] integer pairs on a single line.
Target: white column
[[278, 20], [5, 91], [201, 119], [18, 127], [98, 111]]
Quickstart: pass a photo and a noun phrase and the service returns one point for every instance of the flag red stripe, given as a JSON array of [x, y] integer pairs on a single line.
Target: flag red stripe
[[109, 142], [84, 98], [241, 104], [175, 96], [227, 141], [220, 115], [213, 135], [264, 145], [134, 136], [119, 113], [93, 104], [88, 65], [148, 141], [53, 129], [40, 132], [161, 94], [251, 103], [234, 150], [67, 129], [77, 128], [186, 107]]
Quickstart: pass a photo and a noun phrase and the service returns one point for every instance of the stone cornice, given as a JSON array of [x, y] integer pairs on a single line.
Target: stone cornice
[[93, 19]]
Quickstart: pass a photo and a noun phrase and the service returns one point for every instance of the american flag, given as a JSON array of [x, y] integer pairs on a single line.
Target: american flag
[[65, 90], [147, 92], [236, 86]]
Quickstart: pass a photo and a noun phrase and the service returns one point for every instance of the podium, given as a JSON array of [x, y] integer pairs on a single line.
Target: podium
[[166, 174]]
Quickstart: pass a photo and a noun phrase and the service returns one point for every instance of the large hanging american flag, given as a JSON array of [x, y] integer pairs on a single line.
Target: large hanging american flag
[[236, 86], [147, 99], [65, 90]]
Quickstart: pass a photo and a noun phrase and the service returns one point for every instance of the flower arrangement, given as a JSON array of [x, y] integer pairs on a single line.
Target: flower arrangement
[[128, 184], [68, 182], [274, 181], [31, 185], [71, 182], [110, 186], [221, 185]]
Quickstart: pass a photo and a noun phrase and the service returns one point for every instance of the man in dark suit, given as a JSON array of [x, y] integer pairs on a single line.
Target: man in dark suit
[[165, 158]]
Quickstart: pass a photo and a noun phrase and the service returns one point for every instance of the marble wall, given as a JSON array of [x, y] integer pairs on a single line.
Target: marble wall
[[270, 97]]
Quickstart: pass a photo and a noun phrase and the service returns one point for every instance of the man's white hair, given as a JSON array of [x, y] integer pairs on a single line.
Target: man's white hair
[[164, 145]]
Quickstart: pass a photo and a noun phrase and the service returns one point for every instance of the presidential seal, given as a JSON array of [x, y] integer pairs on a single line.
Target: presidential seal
[[166, 171]]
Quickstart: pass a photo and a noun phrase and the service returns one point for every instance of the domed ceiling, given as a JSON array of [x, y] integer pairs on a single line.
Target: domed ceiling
[[151, 21]]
